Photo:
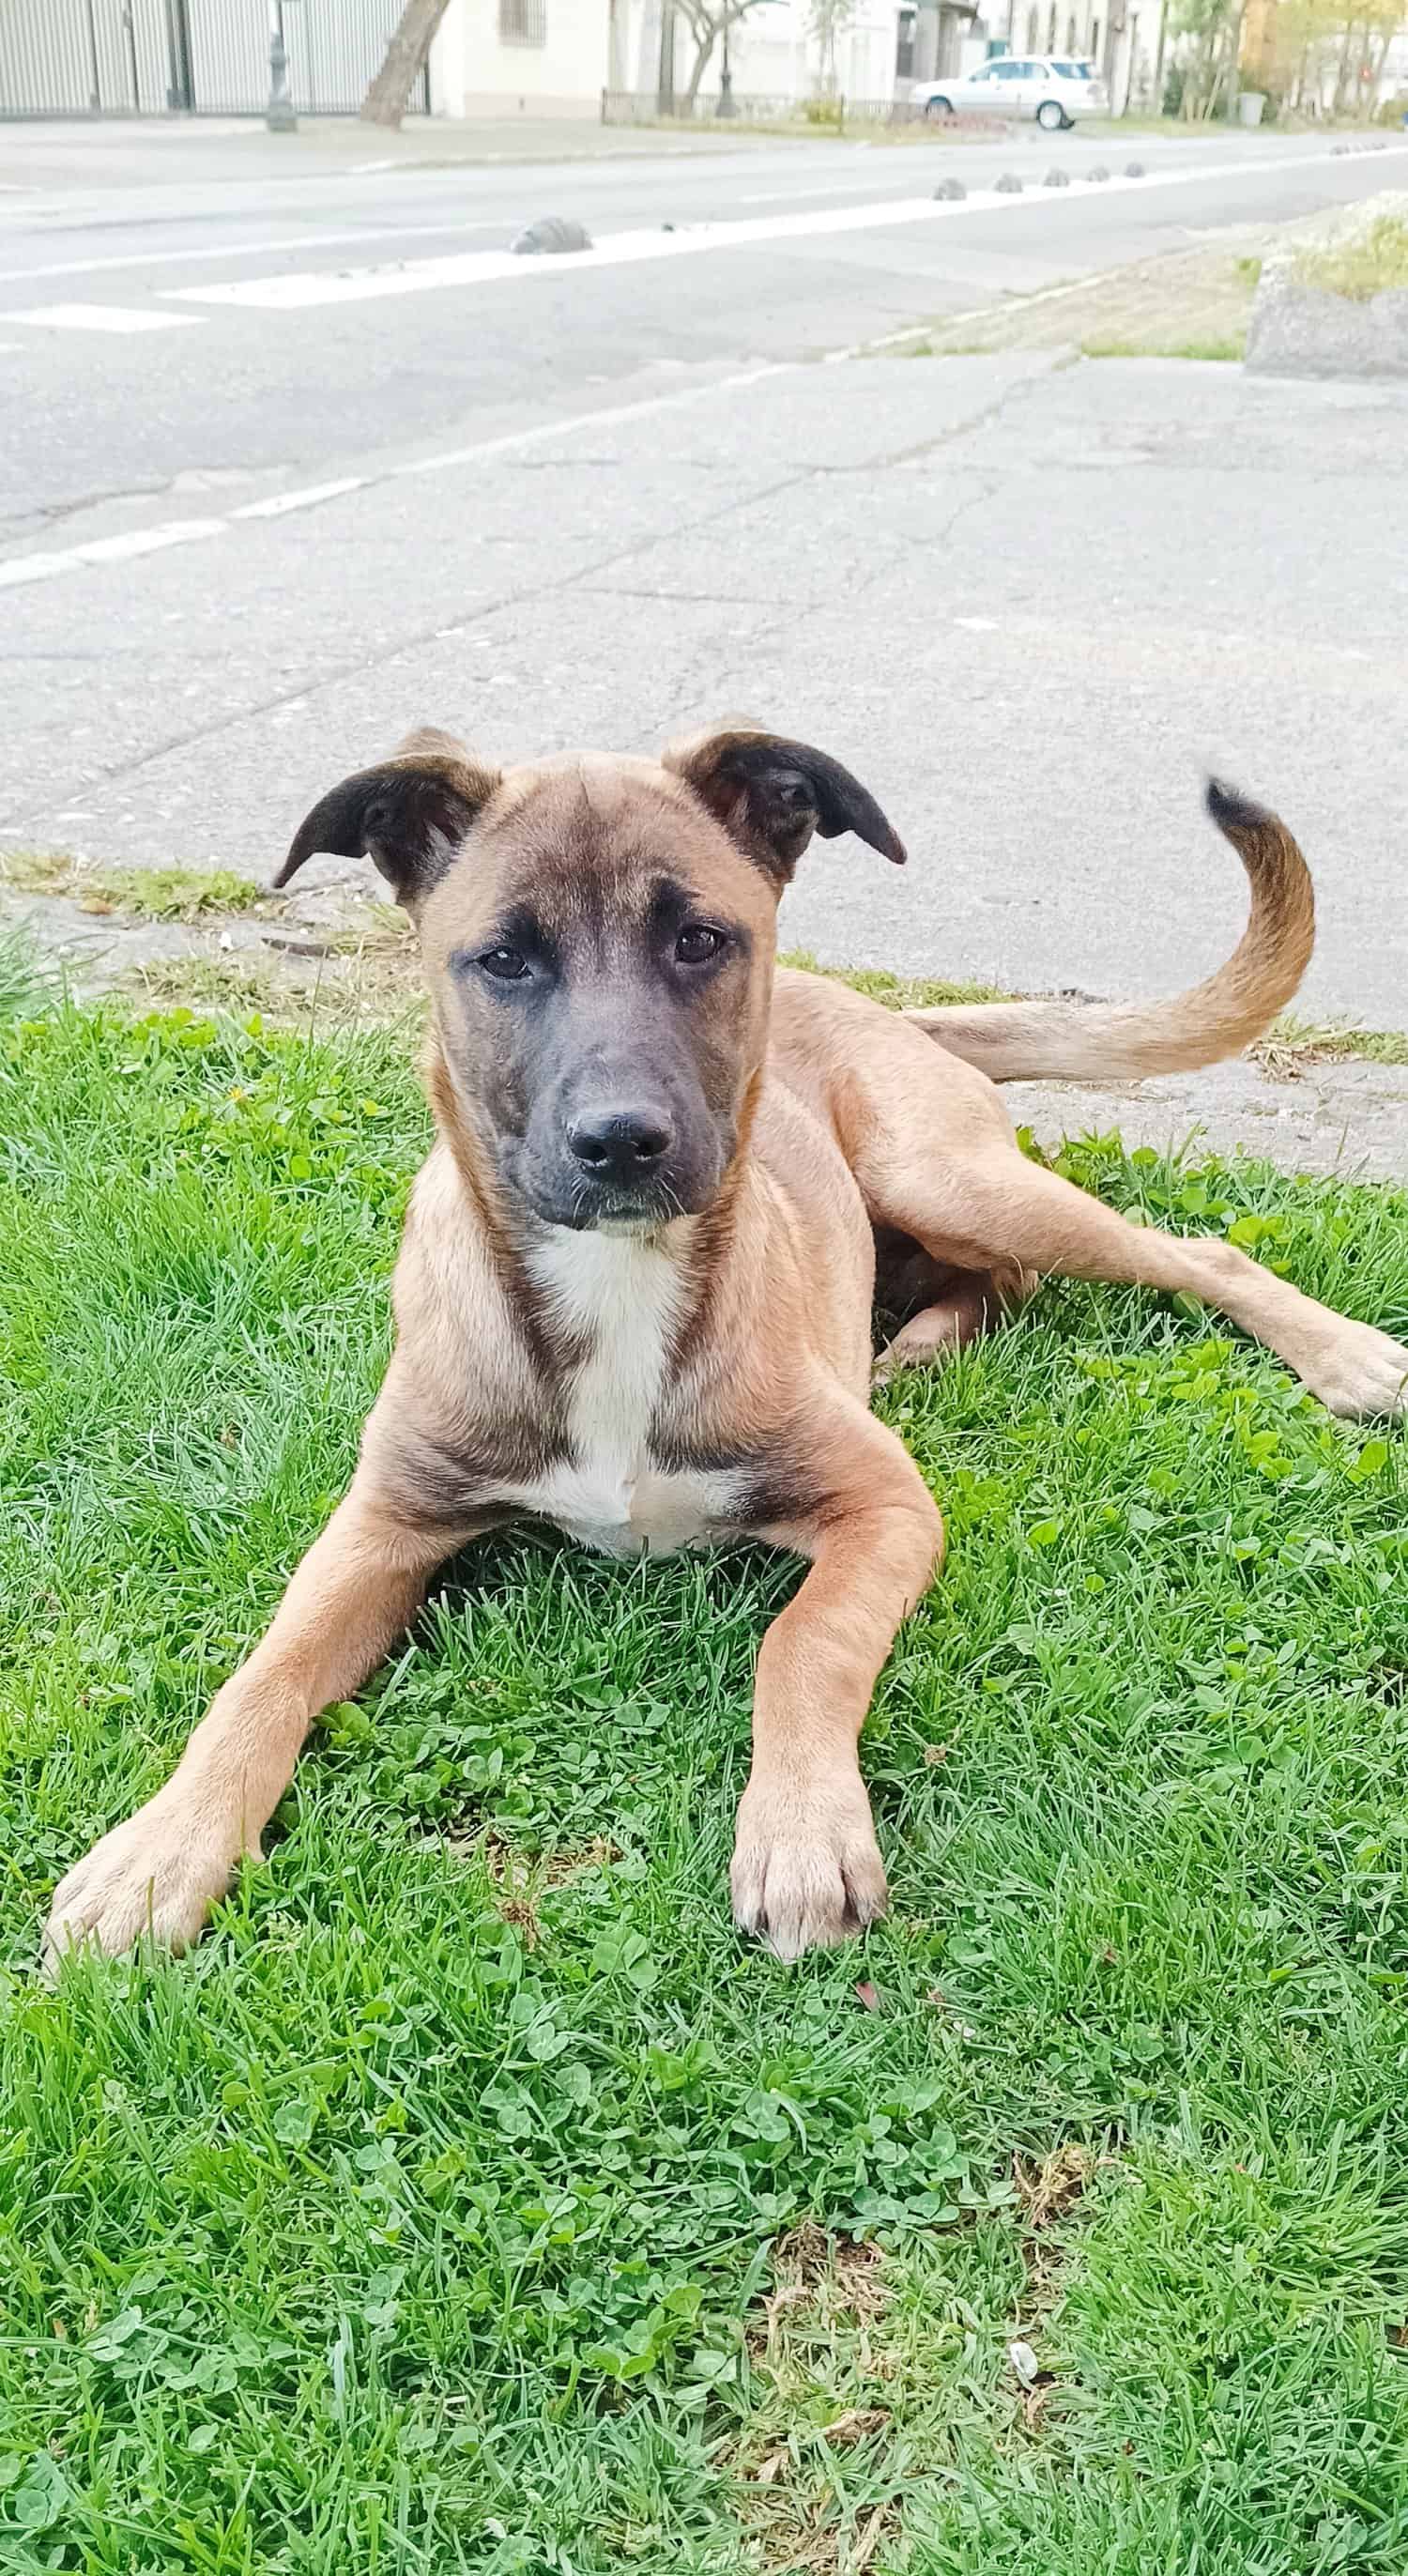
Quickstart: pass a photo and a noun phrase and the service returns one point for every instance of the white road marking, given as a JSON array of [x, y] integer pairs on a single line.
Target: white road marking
[[283, 502], [179, 532], [550, 429], [101, 550], [146, 541], [246, 250], [788, 196], [100, 317], [300, 290]]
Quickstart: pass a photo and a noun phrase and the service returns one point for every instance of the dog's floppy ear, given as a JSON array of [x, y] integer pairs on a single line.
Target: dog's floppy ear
[[408, 815], [772, 794]]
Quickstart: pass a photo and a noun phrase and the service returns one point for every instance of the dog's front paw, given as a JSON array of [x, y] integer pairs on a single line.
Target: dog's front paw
[[156, 1876], [1362, 1371], [807, 1870]]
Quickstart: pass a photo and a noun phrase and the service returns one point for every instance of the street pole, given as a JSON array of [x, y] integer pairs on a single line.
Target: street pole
[[279, 115], [726, 106], [179, 93], [95, 87], [130, 31]]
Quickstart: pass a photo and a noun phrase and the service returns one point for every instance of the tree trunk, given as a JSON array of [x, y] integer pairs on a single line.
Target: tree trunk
[[1234, 61], [1342, 75], [1375, 68], [385, 101], [702, 60], [1156, 103]]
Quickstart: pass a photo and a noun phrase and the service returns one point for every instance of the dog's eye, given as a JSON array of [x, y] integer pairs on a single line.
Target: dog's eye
[[506, 965], [696, 945]]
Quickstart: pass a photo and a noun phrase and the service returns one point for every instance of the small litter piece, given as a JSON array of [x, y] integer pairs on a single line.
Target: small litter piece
[[1134, 169], [1024, 2362], [551, 235], [1099, 171], [299, 943], [1057, 179], [1009, 185], [950, 188]]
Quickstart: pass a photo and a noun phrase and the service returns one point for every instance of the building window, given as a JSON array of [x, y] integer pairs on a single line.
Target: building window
[[523, 22], [904, 45]]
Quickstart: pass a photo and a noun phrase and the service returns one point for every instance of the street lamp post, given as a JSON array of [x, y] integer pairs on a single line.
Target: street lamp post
[[726, 105], [279, 115]]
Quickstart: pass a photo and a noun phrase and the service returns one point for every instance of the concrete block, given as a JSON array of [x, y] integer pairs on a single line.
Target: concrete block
[[1300, 330]]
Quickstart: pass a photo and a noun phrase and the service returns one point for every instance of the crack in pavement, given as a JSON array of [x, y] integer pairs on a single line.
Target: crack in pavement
[[528, 596], [537, 591]]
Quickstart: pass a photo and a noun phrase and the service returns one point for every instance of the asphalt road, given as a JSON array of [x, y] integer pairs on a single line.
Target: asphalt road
[[197, 634], [314, 392]]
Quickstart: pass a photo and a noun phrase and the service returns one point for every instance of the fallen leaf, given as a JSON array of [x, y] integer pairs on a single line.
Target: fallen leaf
[[856, 2423], [868, 1995]]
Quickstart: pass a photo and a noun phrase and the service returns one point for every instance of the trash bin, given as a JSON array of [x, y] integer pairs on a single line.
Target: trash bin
[[1251, 106]]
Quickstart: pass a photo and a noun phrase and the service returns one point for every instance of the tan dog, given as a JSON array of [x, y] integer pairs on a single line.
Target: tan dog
[[635, 1292]]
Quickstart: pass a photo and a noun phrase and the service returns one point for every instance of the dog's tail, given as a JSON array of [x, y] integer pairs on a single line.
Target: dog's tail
[[1072, 1041]]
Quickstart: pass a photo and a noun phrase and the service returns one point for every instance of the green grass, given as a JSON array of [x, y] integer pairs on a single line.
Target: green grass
[[472, 2199], [148, 894], [1337, 1041], [1232, 346], [1364, 266], [897, 992]]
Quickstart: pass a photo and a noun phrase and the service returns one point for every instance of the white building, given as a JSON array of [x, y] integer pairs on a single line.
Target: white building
[[522, 58], [555, 57]]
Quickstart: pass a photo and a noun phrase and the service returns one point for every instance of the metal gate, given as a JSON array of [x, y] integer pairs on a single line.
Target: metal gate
[[196, 57]]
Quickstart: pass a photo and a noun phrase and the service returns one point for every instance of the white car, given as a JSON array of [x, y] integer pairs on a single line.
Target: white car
[[1053, 89]]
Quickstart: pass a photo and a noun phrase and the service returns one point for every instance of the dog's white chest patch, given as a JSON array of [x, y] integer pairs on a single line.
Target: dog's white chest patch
[[620, 1297]]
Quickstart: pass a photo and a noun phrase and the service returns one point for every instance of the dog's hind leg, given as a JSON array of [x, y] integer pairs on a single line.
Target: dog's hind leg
[[159, 1873], [998, 1208]]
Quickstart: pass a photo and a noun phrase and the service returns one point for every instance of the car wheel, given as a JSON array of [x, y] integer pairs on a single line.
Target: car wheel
[[937, 107], [1051, 116]]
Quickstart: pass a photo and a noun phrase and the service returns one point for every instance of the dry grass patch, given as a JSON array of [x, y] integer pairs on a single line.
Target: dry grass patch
[[1364, 265]]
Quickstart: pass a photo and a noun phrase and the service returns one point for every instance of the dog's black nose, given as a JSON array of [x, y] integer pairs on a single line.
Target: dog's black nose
[[620, 1144]]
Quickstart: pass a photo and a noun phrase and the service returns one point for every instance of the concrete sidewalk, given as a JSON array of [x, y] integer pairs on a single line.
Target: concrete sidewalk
[[105, 153], [154, 151], [1035, 601]]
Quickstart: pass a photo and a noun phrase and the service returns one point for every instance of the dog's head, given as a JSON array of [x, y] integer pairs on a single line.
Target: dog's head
[[598, 936]]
